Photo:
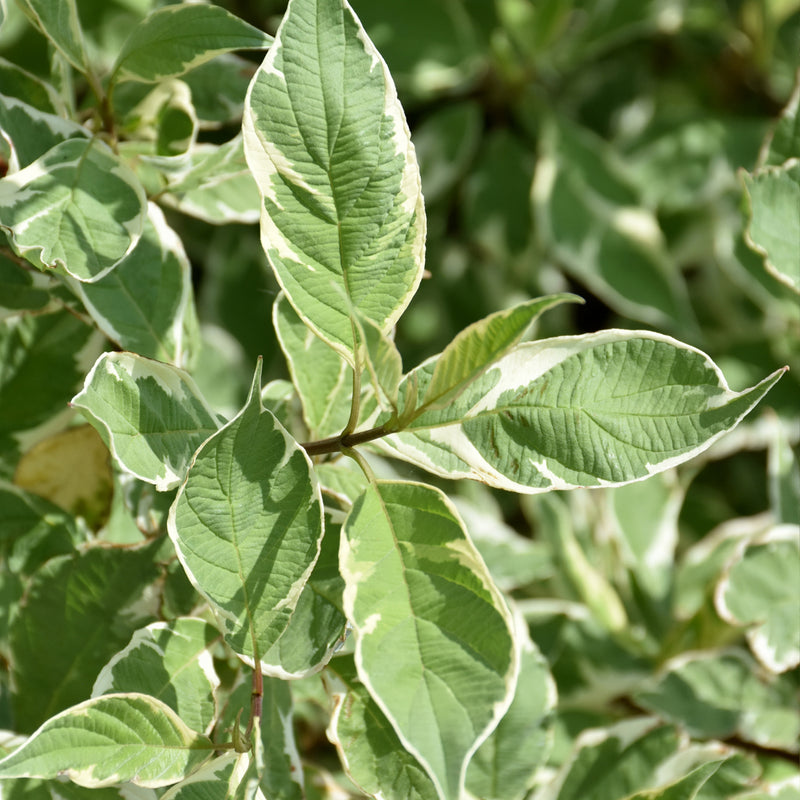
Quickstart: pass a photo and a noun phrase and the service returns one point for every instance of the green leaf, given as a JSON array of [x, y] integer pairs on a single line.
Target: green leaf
[[720, 695], [58, 21], [29, 88], [323, 379], [783, 143], [783, 467], [478, 346], [21, 289], [34, 530], [78, 208], [219, 88], [760, 590], [429, 623], [609, 764], [514, 560], [247, 526], [170, 661], [152, 415], [587, 579], [317, 624], [31, 133], [223, 778], [56, 345], [142, 304], [165, 118], [370, 750], [70, 600], [774, 195], [342, 219], [504, 766], [217, 188], [383, 361], [589, 218], [278, 762], [108, 740], [644, 518], [172, 40], [596, 410]]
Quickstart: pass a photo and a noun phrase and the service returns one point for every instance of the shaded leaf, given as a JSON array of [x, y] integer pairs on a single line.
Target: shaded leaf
[[30, 133], [58, 21], [590, 218], [719, 695], [143, 303], [317, 625], [70, 600], [774, 194], [368, 746], [504, 766], [760, 590]]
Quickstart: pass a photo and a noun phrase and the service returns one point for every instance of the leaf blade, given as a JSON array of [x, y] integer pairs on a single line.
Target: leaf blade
[[429, 624], [77, 207], [108, 740], [324, 133], [574, 411], [172, 40], [247, 526]]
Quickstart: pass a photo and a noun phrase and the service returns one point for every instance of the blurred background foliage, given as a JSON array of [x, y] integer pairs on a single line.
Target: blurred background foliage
[[593, 146]]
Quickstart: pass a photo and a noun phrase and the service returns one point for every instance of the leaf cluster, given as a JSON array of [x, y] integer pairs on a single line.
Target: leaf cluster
[[545, 561]]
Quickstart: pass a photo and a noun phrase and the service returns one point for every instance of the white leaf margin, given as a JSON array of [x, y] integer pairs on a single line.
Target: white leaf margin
[[765, 651]]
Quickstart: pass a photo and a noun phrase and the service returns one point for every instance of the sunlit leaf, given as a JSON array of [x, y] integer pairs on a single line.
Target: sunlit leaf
[[596, 410], [77, 207], [342, 219], [323, 379], [111, 739], [152, 415], [247, 526], [170, 661], [429, 625], [174, 39]]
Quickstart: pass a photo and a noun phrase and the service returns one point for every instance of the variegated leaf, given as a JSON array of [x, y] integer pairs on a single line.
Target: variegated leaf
[[342, 218], [152, 415], [247, 526], [78, 208], [598, 410], [172, 40], [434, 642]]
